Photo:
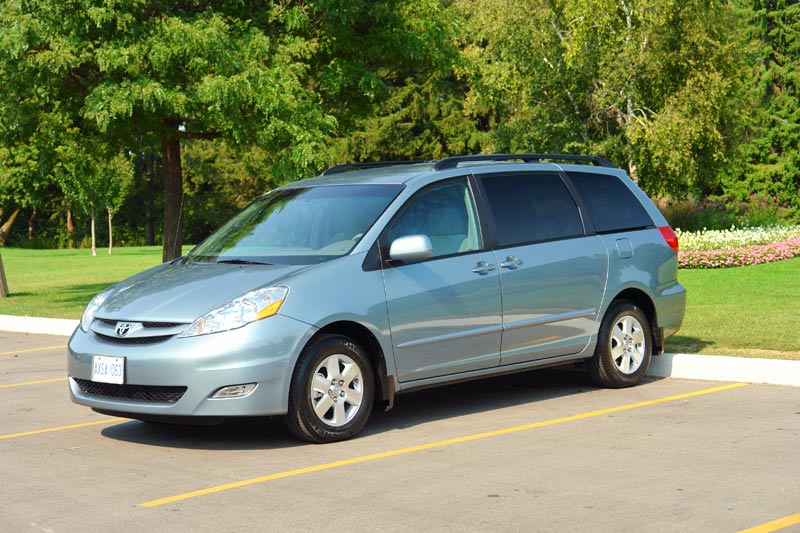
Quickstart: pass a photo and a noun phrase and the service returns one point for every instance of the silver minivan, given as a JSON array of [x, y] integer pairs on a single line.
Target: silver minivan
[[329, 294]]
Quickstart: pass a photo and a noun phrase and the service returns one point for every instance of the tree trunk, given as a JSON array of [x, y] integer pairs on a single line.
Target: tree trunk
[[173, 197], [31, 230], [70, 226], [3, 282], [6, 227], [70, 222], [110, 234], [94, 238], [633, 170], [151, 191], [149, 225]]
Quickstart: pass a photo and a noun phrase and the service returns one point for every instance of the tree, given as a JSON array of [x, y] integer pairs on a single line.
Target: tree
[[283, 77], [133, 70], [772, 153], [651, 85], [93, 178]]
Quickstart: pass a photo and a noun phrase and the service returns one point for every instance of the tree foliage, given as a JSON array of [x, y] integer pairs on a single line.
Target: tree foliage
[[652, 85], [772, 154], [104, 103]]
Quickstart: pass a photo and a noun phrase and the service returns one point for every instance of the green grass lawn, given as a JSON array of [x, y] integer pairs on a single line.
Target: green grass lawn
[[59, 283], [747, 311], [751, 311]]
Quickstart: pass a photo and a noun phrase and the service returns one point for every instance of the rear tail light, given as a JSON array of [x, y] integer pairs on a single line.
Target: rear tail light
[[670, 237]]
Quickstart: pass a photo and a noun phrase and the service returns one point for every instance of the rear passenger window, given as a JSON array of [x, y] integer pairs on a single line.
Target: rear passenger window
[[531, 208], [611, 204]]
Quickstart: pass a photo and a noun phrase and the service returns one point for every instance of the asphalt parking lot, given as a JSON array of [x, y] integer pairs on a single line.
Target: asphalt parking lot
[[541, 451]]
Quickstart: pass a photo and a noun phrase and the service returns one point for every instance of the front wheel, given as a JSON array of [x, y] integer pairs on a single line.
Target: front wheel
[[624, 347], [331, 391]]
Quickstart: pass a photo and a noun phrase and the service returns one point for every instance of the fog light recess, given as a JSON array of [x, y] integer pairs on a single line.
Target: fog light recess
[[234, 391]]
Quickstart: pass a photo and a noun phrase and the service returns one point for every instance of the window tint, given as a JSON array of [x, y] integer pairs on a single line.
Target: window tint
[[299, 226], [446, 214], [611, 204], [529, 208]]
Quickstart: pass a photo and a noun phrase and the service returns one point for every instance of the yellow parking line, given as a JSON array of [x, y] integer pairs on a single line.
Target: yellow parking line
[[421, 447], [775, 525], [60, 428], [15, 352], [32, 383]]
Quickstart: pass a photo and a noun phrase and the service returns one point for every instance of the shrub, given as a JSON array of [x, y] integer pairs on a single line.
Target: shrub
[[717, 213]]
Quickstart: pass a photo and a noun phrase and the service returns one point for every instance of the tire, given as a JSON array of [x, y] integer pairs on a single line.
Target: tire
[[332, 391], [624, 347]]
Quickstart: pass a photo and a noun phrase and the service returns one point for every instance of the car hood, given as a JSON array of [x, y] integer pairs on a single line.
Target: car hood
[[182, 292]]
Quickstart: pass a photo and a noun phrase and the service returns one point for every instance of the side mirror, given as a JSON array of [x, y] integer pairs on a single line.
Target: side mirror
[[411, 248]]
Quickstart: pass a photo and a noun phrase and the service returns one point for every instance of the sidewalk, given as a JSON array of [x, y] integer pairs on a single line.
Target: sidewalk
[[29, 324], [685, 366]]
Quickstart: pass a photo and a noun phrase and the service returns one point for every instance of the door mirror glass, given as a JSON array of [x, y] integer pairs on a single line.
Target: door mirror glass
[[411, 248]]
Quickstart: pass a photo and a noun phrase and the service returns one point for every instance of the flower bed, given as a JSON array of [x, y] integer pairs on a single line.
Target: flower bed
[[737, 247], [734, 237]]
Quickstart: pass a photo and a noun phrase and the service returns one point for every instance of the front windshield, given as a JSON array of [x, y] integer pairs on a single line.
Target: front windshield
[[298, 226]]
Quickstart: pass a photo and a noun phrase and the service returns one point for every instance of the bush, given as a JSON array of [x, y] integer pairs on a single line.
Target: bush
[[719, 213]]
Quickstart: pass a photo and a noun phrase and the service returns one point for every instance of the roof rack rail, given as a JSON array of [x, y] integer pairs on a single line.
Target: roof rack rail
[[339, 169], [453, 162]]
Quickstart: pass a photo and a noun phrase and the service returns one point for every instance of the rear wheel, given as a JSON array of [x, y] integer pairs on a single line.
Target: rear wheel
[[624, 347], [331, 391]]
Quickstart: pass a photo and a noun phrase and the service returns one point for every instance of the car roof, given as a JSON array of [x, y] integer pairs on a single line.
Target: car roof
[[385, 175], [403, 172]]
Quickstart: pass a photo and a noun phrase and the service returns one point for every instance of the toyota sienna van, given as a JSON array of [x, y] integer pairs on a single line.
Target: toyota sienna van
[[328, 295]]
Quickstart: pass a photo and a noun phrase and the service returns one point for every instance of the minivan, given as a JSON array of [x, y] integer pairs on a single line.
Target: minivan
[[330, 294]]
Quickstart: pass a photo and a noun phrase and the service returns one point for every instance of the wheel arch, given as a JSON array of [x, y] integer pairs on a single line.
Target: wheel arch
[[364, 337], [643, 301]]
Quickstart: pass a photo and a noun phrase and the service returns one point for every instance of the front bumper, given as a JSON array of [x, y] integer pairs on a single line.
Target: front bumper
[[263, 352]]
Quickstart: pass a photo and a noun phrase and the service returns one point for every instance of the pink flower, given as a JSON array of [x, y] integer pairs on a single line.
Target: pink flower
[[748, 255]]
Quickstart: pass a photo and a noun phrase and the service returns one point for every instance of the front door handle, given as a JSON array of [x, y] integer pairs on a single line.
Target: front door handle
[[511, 262], [483, 268]]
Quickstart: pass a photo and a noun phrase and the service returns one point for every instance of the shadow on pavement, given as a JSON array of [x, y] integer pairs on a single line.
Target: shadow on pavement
[[261, 433]]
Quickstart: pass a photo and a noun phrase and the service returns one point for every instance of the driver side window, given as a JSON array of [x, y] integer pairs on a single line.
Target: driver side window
[[446, 214]]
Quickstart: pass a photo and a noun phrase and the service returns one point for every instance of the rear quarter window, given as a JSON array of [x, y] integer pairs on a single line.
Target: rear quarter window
[[611, 204]]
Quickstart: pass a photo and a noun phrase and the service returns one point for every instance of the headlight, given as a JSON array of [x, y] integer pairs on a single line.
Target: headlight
[[254, 305], [91, 309]]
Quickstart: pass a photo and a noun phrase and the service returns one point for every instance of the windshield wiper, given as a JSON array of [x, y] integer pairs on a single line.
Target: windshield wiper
[[242, 262]]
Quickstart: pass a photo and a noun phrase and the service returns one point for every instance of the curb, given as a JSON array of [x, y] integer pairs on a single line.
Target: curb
[[726, 368], [668, 365], [46, 326]]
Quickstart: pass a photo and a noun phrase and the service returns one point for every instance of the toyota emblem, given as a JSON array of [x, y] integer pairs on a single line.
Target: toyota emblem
[[123, 328]]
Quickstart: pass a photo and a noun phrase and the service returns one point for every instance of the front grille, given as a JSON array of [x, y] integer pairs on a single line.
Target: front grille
[[145, 324], [148, 333], [134, 340], [133, 393]]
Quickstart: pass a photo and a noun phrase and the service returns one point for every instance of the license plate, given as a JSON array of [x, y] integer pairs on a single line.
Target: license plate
[[107, 369]]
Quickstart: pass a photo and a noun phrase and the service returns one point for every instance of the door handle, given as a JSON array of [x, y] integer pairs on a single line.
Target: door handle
[[511, 262], [483, 268]]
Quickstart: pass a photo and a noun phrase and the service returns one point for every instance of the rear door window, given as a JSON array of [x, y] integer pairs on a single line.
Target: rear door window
[[611, 204], [530, 208]]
